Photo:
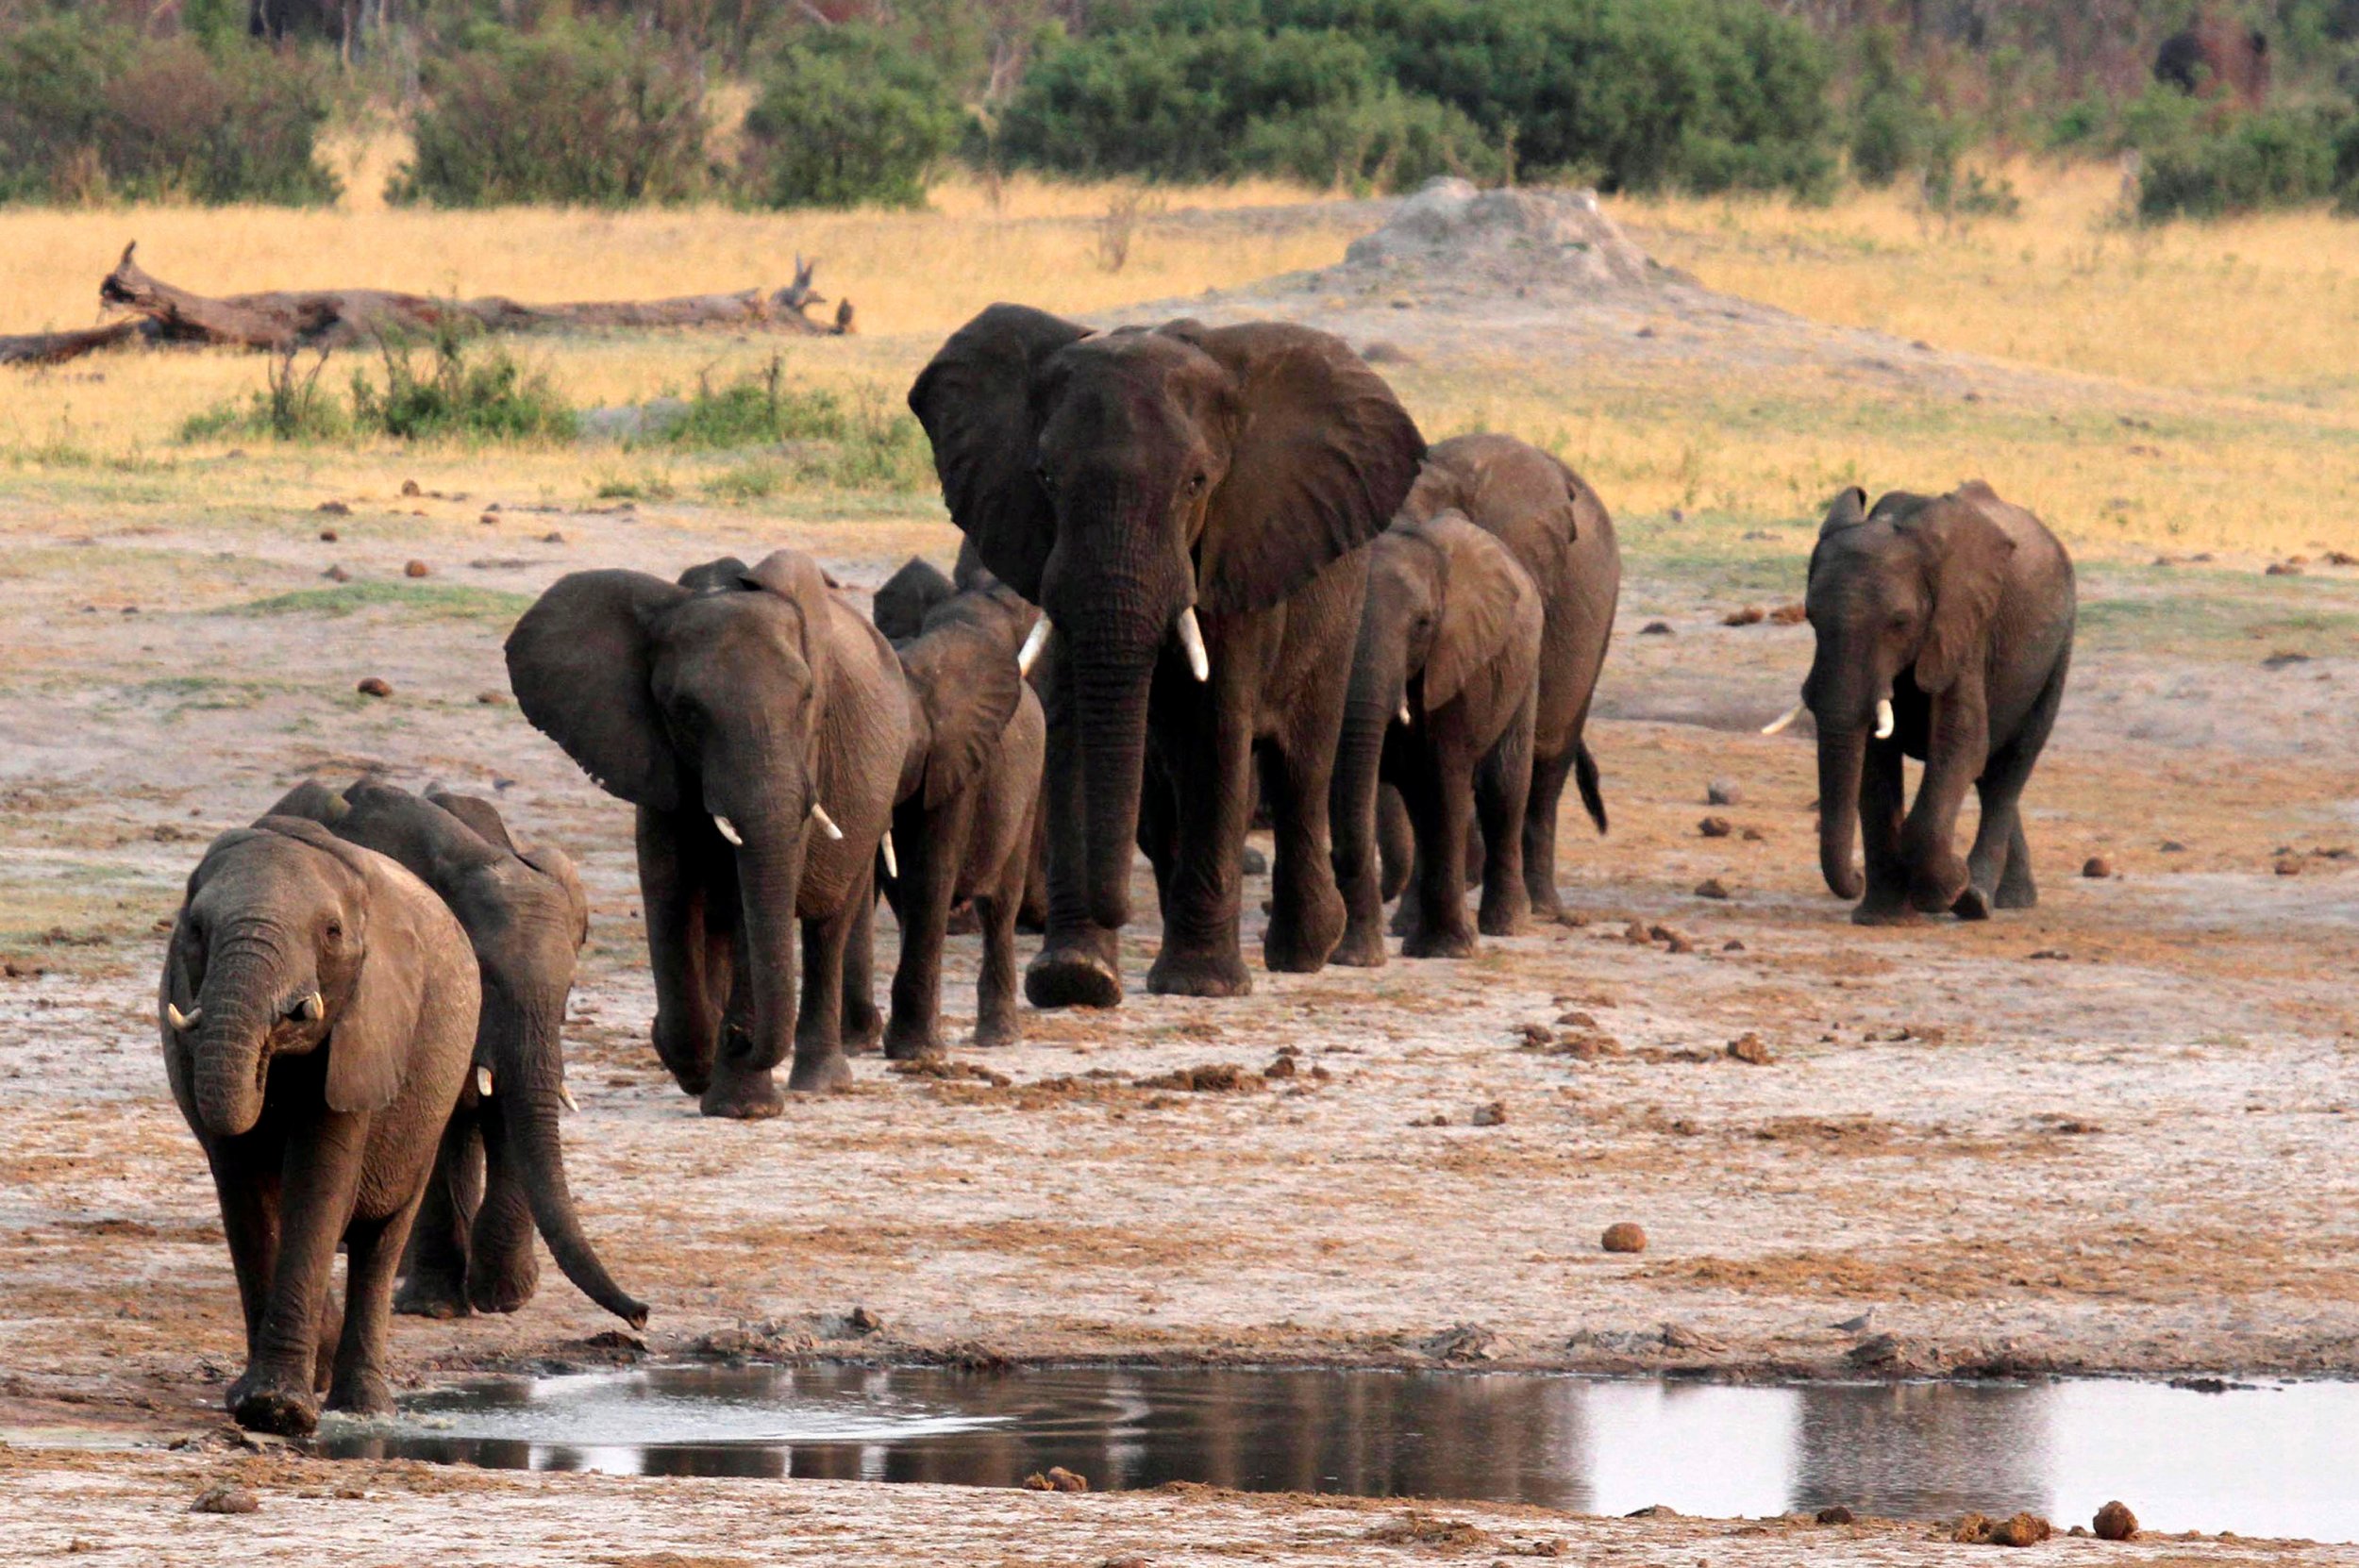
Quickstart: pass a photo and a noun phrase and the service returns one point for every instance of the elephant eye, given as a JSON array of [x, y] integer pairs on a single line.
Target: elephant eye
[[335, 930], [1047, 480], [1196, 484]]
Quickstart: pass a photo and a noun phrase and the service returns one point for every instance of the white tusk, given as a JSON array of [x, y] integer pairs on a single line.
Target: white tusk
[[1191, 639], [565, 1096], [1034, 643], [1883, 718], [483, 1080], [827, 823], [1777, 725], [310, 1008], [179, 1020], [728, 830], [893, 867], [1404, 712]]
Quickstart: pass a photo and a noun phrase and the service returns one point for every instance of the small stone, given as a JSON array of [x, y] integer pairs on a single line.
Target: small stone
[[335, 508], [490, 520], [2170, 847], [1253, 862], [1655, 628], [1711, 886], [1754, 835], [2024, 1530], [2053, 954], [1491, 1113], [1715, 827], [492, 699], [555, 536], [1065, 1480], [1750, 1048], [2115, 1522], [2283, 569], [416, 569], [374, 686], [1723, 792], [864, 1322], [1283, 1067], [2288, 865], [2097, 867], [327, 536], [225, 1499], [409, 487], [1623, 1235], [1536, 1036], [337, 574], [1748, 616], [1835, 1515], [1732, 946]]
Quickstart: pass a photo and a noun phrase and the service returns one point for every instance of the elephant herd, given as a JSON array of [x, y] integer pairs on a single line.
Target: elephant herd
[[1207, 570]]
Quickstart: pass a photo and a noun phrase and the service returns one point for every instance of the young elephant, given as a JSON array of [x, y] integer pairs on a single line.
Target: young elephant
[[1944, 629], [318, 1004], [1559, 533], [759, 724], [501, 1172], [1444, 694], [970, 793]]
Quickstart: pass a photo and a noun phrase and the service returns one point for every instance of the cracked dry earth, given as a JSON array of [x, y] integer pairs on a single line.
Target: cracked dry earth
[[2114, 1134]]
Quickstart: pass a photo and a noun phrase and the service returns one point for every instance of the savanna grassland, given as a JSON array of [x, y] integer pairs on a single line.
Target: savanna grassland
[[2114, 1134]]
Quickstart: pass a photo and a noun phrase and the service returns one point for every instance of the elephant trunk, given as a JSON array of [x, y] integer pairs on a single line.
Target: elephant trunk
[[1111, 699], [240, 987], [769, 882], [1842, 758], [1377, 695]]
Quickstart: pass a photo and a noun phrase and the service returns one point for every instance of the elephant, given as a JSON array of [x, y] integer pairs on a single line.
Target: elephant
[[317, 1006], [1944, 629], [900, 605], [1561, 534], [759, 724], [1445, 689], [1190, 507], [501, 1172], [969, 802], [2217, 57]]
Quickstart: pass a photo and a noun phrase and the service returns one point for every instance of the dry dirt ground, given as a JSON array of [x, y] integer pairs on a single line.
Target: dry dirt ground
[[2114, 1134]]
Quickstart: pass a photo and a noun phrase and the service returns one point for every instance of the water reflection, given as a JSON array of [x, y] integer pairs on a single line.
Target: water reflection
[[2269, 1461]]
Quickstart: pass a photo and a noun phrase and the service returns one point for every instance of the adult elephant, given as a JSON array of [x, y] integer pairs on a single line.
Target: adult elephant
[[501, 1172], [1944, 630], [759, 724], [1189, 506], [1561, 534]]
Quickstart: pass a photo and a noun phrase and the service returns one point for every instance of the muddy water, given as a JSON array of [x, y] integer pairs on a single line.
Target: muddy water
[[2266, 1460]]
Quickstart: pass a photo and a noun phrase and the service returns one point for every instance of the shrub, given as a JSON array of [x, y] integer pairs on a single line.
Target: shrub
[[89, 109], [2248, 164], [848, 117], [583, 113], [865, 441], [462, 390]]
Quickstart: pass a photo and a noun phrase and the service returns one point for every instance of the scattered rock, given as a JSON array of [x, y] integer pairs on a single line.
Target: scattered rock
[[1749, 1047], [2283, 569], [1623, 1235], [416, 569], [1835, 1515], [335, 508], [225, 1499], [555, 536], [1058, 1480], [1723, 792], [1491, 1113], [1732, 946], [1754, 835], [1461, 1341], [864, 1322], [1678, 1336], [327, 536], [409, 487], [337, 574], [1880, 1350], [1537, 1036], [492, 699], [1253, 862], [2288, 865], [2279, 661], [2115, 1522], [1750, 615], [1654, 1511], [2171, 847], [2024, 1530], [2097, 867], [490, 520], [1417, 1528], [1790, 615], [1218, 1077], [1715, 827], [1655, 628], [1711, 886], [948, 1070], [2053, 954], [374, 686]]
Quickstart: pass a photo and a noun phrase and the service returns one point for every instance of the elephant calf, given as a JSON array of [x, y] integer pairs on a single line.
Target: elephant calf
[[969, 803], [318, 1007], [1443, 692], [1944, 629], [501, 1172]]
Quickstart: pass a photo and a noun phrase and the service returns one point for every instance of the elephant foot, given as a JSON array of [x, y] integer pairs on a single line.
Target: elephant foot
[[503, 1289], [431, 1297], [992, 1034], [362, 1393], [260, 1405], [1072, 977], [2017, 898], [1507, 915], [744, 1097], [864, 1026], [1971, 905], [819, 1072], [1181, 972], [1886, 913], [910, 1044], [1938, 886], [1363, 948], [1304, 932], [1547, 904], [1427, 942]]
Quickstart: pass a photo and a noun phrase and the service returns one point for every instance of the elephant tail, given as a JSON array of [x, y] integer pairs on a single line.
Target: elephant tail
[[1585, 775]]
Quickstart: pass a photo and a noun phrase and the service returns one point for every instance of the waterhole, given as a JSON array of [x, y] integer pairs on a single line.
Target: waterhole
[[2269, 1459]]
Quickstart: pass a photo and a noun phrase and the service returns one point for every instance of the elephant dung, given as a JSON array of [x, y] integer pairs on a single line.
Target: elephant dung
[[1748, 616], [225, 1499], [1623, 1235], [416, 569], [1750, 1049], [2115, 1522], [1723, 792], [1711, 886], [2096, 868], [374, 686], [1057, 1479], [1835, 1515], [1715, 827]]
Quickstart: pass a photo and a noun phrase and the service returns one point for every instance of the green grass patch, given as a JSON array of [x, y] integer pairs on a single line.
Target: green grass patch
[[452, 388], [419, 601], [861, 439]]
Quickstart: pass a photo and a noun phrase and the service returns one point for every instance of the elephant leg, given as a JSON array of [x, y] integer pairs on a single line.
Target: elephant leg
[[2017, 889], [1159, 831], [819, 1062], [678, 902], [1502, 791], [2008, 772], [1883, 803], [1359, 858], [503, 1266], [321, 1173], [864, 1025], [1200, 955], [933, 844], [740, 1087], [1441, 804], [435, 1270], [1397, 842], [1541, 802], [1031, 915], [372, 1254], [997, 1020], [249, 1193], [1079, 963], [1307, 912]]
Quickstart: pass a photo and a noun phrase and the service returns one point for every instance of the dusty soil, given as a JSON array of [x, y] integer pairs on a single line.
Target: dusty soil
[[2114, 1134]]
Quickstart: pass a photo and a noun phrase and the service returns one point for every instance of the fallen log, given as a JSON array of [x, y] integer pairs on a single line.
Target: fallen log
[[337, 318]]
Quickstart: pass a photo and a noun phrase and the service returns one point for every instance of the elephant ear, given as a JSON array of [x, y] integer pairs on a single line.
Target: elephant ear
[[962, 672], [311, 799], [1323, 456], [579, 662], [477, 815], [900, 604], [975, 399], [1487, 601], [1848, 510], [1966, 563]]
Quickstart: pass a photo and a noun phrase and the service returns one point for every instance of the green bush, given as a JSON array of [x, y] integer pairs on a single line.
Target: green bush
[[866, 441], [583, 113], [455, 390], [2246, 164], [848, 117], [90, 110]]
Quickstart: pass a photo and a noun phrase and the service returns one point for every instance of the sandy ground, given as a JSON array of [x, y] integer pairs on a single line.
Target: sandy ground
[[2115, 1134]]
